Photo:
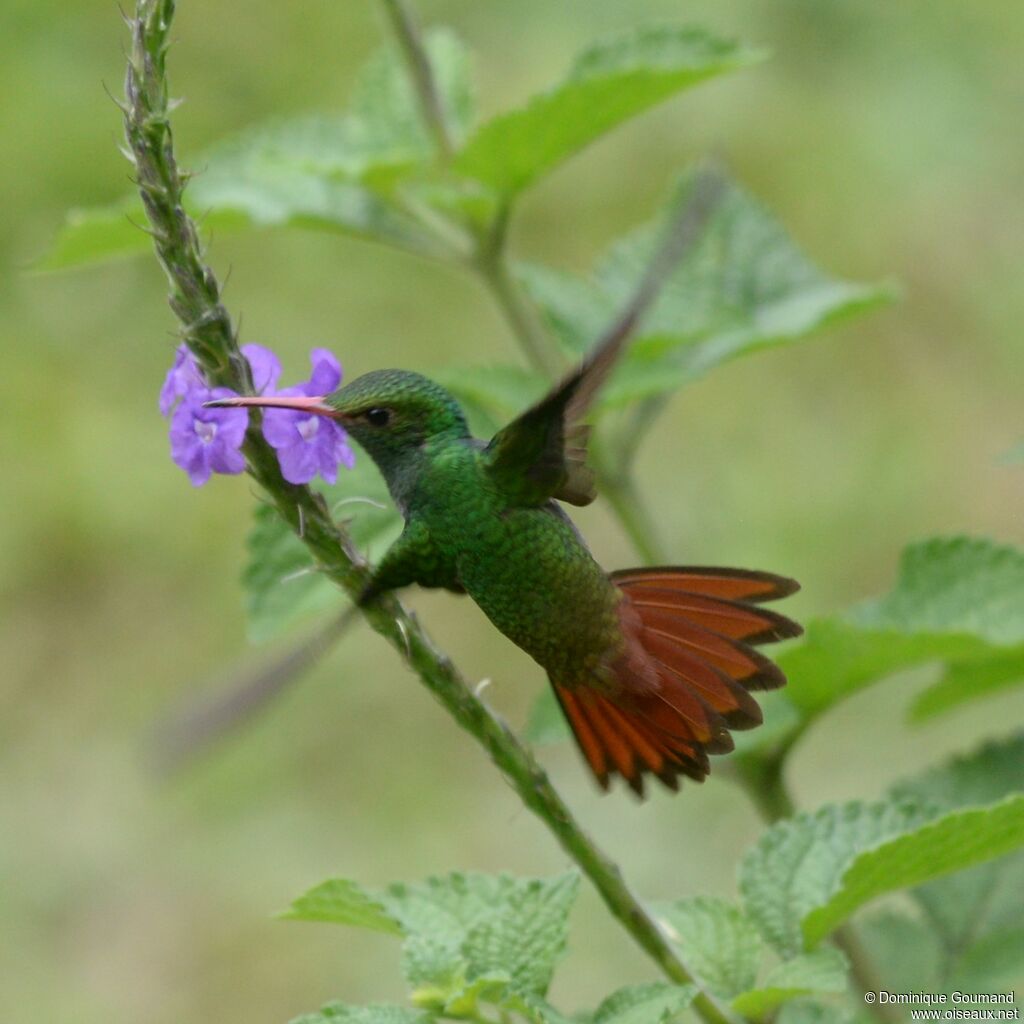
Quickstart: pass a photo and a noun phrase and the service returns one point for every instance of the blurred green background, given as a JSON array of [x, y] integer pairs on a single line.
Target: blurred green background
[[885, 136]]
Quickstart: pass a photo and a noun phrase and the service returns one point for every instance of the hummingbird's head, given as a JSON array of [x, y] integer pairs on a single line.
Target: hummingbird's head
[[390, 413]]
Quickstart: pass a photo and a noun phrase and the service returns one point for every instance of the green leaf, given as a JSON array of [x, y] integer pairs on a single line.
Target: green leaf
[[966, 934], [823, 970], [281, 583], [97, 234], [342, 901], [467, 937], [957, 599], [607, 85], [465, 926], [717, 942], [962, 682], [809, 874], [655, 1002], [337, 1013], [977, 914], [743, 287], [323, 171]]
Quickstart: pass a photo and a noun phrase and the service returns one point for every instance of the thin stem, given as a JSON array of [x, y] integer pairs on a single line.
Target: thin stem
[[619, 487], [410, 38], [208, 331]]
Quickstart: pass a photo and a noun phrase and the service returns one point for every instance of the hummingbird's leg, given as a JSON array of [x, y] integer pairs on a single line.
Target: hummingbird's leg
[[413, 558]]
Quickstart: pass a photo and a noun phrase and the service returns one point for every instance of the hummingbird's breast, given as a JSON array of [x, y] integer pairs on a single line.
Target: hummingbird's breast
[[527, 568]]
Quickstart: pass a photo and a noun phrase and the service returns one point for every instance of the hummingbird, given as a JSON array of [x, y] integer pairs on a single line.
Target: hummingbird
[[652, 666]]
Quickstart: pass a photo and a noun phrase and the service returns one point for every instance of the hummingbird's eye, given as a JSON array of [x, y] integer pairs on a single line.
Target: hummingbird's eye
[[377, 417]]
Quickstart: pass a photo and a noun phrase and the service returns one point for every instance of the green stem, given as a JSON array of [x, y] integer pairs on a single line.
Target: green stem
[[208, 331], [530, 333], [410, 38]]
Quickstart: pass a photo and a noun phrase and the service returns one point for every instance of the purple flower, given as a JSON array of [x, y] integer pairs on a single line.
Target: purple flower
[[205, 441], [182, 378], [265, 366], [306, 443]]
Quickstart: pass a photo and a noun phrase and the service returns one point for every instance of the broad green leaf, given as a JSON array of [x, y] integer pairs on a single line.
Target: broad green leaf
[[316, 171], [958, 600], [96, 234], [655, 1002], [281, 583], [385, 100], [744, 286], [717, 942], [467, 937], [966, 681], [342, 901], [465, 926], [798, 864], [338, 1013], [967, 933], [823, 970], [607, 85], [978, 914], [807, 875]]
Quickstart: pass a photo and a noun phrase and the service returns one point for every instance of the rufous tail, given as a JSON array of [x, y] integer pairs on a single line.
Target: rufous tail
[[686, 675]]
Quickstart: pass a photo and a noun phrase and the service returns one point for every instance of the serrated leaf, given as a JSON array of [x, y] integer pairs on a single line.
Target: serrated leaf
[[957, 599], [744, 286], [338, 1013], [470, 925], [342, 901], [717, 942], [316, 171], [655, 1002], [607, 85], [798, 864], [281, 583], [977, 912], [823, 970], [807, 875]]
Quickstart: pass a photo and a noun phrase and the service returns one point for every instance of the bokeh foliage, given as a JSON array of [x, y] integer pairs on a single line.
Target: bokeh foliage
[[912, 417]]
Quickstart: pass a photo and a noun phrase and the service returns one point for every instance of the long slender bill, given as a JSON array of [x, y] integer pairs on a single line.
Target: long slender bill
[[299, 403]]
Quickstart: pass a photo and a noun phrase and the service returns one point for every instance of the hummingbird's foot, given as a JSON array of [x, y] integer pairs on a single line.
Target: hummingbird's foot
[[481, 686]]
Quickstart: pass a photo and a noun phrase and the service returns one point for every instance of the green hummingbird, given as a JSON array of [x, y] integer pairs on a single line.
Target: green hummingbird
[[651, 666]]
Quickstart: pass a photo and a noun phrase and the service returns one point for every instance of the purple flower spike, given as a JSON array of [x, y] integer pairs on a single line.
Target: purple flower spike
[[309, 444], [205, 441], [182, 377]]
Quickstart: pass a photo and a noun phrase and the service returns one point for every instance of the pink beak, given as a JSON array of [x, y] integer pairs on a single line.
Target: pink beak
[[316, 404]]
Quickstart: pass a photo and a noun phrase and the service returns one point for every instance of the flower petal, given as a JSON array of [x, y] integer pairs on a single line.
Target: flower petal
[[326, 372], [298, 463], [265, 366], [280, 427]]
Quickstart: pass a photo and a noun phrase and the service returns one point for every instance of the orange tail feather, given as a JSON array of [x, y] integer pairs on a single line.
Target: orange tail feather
[[686, 676]]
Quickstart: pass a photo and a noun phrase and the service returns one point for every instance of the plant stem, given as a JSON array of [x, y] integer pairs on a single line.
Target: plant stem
[[208, 331], [410, 38]]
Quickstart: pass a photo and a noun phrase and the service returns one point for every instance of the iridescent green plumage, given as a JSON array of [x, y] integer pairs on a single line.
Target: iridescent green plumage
[[652, 667]]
